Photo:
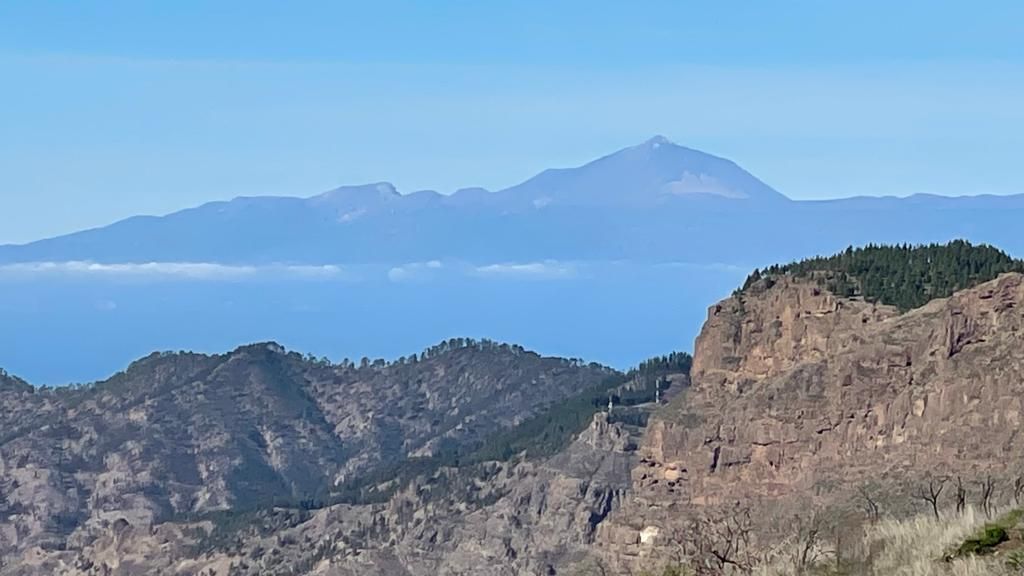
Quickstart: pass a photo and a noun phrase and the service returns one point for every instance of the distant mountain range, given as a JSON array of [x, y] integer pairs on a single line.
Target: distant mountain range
[[656, 201]]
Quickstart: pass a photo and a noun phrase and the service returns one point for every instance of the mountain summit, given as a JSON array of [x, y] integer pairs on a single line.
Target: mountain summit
[[652, 172]]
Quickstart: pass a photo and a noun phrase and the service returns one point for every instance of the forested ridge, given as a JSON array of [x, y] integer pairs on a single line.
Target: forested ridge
[[906, 276], [539, 436]]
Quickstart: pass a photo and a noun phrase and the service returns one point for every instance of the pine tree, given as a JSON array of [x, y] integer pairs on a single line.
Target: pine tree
[[904, 276]]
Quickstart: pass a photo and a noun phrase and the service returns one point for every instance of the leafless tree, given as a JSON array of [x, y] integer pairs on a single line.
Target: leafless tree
[[1018, 489], [809, 549], [870, 504], [930, 493], [722, 541], [988, 488], [961, 496]]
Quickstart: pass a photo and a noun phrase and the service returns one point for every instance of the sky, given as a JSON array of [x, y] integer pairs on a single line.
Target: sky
[[111, 109]]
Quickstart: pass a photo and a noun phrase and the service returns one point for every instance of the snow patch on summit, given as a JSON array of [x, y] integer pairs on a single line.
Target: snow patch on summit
[[690, 183]]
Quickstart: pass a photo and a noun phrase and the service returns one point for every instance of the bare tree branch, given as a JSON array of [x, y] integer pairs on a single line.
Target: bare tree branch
[[988, 487], [870, 504], [718, 542], [961, 497], [930, 493]]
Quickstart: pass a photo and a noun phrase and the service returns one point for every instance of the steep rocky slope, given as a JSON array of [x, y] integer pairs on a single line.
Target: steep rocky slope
[[180, 435], [504, 519], [800, 399], [494, 518]]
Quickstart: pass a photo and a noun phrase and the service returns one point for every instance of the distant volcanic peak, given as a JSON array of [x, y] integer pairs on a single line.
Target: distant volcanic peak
[[682, 171], [363, 192], [657, 141], [659, 145], [351, 203], [646, 174]]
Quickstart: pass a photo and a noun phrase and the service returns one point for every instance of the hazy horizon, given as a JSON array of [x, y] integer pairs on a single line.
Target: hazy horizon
[[451, 191], [268, 100]]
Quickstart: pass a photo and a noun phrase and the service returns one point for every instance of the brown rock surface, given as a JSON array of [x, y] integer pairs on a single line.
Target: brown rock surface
[[800, 397]]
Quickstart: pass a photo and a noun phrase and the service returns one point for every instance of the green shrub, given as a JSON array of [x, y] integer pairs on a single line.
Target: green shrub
[[985, 542]]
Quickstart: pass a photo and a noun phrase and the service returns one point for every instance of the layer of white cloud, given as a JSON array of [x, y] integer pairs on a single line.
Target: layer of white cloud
[[548, 269], [181, 270], [414, 271]]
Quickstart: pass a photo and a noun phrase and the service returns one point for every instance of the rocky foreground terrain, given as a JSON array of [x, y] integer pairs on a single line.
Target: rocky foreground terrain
[[805, 404], [804, 411], [184, 435]]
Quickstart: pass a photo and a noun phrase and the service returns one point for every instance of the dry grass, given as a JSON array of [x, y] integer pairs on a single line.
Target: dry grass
[[915, 547], [921, 546]]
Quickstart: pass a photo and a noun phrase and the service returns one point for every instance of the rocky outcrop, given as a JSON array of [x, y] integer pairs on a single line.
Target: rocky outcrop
[[771, 329], [799, 398]]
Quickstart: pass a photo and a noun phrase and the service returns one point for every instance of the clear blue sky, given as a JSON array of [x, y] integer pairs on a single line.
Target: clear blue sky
[[109, 109]]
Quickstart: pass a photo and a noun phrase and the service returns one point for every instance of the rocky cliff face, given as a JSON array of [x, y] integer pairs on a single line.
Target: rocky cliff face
[[800, 398]]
